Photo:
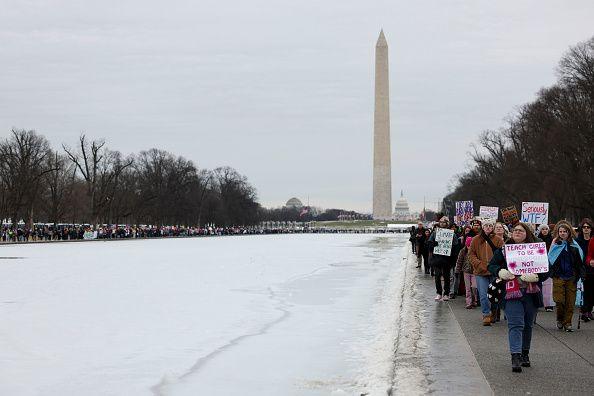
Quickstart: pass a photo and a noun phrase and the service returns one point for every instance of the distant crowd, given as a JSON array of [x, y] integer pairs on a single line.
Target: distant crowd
[[478, 269], [70, 232]]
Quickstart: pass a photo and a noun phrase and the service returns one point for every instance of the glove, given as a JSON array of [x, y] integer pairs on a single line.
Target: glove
[[529, 278], [506, 275]]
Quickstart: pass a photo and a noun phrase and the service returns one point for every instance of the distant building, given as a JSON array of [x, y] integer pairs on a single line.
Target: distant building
[[294, 203], [402, 210]]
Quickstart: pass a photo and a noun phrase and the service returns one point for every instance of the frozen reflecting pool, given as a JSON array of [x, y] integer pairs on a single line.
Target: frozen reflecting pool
[[255, 315]]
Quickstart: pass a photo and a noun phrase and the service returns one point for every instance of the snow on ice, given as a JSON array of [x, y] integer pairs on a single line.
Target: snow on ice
[[257, 315]]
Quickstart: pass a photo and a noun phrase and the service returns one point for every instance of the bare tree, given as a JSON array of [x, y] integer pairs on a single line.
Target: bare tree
[[23, 163], [100, 168]]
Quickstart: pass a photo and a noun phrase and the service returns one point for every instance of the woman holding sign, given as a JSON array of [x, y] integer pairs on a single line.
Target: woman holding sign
[[566, 258], [481, 250], [441, 242], [522, 297]]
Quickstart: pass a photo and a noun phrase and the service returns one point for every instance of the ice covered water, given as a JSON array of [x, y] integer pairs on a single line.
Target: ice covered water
[[254, 315]]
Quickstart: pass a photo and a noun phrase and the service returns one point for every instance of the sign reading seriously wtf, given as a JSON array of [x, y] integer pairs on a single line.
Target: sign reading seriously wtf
[[464, 212], [489, 212], [535, 212], [527, 258], [444, 238]]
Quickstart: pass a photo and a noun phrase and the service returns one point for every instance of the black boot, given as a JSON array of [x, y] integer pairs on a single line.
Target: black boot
[[516, 362], [525, 358]]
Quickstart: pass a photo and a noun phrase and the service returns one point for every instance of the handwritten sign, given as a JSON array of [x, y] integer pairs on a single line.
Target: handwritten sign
[[464, 212], [489, 212], [535, 212], [444, 238], [527, 258], [510, 215]]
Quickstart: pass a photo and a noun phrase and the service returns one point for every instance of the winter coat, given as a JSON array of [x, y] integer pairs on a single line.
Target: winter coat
[[420, 241], [576, 263], [437, 260], [463, 263], [590, 256], [547, 239], [498, 263], [480, 253], [585, 247]]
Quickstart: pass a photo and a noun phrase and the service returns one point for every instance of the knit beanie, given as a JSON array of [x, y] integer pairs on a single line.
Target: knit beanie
[[468, 241]]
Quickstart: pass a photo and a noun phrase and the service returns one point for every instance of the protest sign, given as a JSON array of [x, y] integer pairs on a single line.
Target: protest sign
[[444, 238], [464, 212], [510, 215], [527, 258], [90, 235], [489, 212], [535, 212]]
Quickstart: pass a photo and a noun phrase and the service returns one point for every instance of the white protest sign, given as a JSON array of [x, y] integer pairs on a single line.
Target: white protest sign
[[535, 212], [527, 258], [489, 212], [444, 238], [90, 235]]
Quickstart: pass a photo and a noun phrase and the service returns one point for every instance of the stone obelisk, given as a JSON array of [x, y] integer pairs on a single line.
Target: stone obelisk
[[382, 168]]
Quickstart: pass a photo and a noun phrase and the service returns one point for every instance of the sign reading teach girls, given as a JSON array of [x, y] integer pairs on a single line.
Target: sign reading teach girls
[[535, 212], [464, 212], [527, 258]]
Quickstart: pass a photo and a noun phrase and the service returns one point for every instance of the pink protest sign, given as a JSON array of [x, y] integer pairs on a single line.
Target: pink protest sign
[[527, 258]]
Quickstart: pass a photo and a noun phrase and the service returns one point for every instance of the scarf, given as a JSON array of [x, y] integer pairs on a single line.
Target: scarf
[[557, 249]]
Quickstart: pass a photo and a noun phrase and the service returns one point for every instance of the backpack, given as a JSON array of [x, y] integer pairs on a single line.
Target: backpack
[[496, 291]]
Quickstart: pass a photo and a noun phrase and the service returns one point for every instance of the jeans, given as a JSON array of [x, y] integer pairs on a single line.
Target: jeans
[[426, 264], [442, 270], [482, 283], [520, 315]]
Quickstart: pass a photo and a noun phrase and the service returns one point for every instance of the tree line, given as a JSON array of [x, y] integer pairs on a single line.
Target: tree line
[[88, 183], [545, 150]]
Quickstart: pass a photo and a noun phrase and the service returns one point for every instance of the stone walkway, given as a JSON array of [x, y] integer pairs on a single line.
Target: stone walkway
[[562, 363]]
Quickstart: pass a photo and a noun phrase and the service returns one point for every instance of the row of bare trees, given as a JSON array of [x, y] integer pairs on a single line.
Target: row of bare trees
[[545, 152], [89, 183]]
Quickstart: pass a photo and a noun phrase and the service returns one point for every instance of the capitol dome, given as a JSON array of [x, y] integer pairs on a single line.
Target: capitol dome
[[402, 210], [294, 203]]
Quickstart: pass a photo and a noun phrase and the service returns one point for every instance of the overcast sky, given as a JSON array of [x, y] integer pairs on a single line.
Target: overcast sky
[[283, 90]]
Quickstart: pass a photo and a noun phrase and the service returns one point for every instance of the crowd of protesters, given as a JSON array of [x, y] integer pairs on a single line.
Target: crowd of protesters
[[477, 269], [70, 232]]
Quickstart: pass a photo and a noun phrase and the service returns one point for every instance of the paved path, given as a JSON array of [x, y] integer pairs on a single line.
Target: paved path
[[562, 363]]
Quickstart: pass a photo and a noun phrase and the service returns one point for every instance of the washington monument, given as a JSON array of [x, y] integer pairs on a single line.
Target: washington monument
[[382, 168]]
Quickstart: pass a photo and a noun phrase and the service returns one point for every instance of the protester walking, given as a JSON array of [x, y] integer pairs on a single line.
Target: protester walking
[[501, 231], [441, 264], [522, 299], [589, 291], [583, 239], [464, 268], [566, 261], [544, 234], [424, 251], [419, 242], [480, 253]]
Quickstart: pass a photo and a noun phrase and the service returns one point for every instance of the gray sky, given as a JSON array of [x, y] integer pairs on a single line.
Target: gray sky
[[283, 90]]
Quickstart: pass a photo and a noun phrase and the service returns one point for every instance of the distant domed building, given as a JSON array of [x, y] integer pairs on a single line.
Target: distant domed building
[[294, 203], [401, 210]]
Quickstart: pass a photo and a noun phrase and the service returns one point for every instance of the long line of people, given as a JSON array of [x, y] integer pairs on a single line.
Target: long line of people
[[478, 270]]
